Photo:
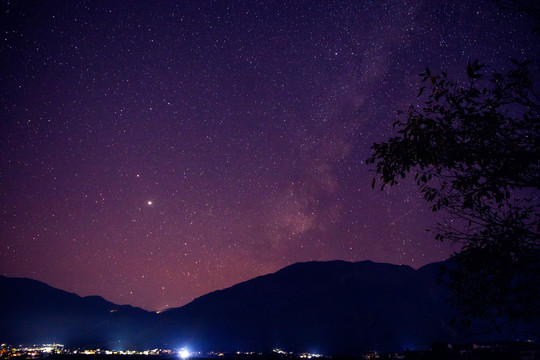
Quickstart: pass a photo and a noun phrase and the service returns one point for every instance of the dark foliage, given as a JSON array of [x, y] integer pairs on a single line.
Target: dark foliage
[[474, 150]]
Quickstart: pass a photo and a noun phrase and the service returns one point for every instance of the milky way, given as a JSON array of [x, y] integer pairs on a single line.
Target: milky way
[[154, 151]]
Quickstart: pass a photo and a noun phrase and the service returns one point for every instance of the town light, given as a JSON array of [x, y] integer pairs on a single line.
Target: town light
[[184, 354]]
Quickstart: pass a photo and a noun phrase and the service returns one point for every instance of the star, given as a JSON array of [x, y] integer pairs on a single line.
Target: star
[[254, 149]]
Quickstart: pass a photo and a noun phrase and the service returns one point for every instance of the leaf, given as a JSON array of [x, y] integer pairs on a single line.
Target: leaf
[[470, 71]]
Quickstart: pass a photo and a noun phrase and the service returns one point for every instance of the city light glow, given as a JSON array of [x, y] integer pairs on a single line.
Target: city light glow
[[184, 354]]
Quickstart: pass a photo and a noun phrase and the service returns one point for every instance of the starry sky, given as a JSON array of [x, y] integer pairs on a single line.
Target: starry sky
[[155, 151]]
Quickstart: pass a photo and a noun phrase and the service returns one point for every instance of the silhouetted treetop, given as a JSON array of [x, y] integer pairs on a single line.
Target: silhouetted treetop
[[474, 151]]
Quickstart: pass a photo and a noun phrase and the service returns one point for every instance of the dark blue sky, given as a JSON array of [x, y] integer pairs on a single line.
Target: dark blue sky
[[154, 151]]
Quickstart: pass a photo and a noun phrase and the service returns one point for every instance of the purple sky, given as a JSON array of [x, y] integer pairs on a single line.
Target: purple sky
[[154, 151]]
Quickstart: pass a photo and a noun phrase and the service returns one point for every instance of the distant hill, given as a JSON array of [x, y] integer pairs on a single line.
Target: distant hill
[[329, 307], [34, 312], [334, 307]]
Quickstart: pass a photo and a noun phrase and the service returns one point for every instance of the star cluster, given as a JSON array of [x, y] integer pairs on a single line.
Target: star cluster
[[152, 152]]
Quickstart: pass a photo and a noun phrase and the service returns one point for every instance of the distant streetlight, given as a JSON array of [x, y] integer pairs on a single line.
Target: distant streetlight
[[184, 354]]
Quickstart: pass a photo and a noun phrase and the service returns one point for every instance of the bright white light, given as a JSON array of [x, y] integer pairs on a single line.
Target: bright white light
[[184, 354]]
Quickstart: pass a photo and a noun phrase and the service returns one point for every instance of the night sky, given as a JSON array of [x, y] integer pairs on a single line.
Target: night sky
[[154, 151]]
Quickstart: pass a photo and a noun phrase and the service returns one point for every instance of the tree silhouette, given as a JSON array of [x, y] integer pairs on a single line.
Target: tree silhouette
[[474, 150]]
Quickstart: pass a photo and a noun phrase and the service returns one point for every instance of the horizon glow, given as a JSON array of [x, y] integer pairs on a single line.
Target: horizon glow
[[153, 152]]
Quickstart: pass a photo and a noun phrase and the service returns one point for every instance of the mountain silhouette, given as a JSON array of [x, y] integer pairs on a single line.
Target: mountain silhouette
[[327, 307], [334, 307], [34, 312]]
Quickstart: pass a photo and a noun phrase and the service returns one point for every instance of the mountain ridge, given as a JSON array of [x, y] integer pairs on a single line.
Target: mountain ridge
[[330, 307], [35, 312], [290, 310]]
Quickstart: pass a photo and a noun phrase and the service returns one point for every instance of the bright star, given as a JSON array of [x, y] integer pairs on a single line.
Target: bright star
[[149, 202]]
